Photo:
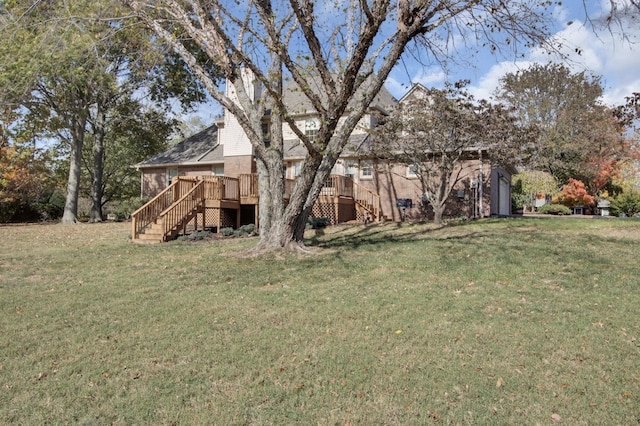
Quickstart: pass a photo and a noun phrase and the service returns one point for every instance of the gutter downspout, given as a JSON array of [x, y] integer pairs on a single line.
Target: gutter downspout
[[141, 183]]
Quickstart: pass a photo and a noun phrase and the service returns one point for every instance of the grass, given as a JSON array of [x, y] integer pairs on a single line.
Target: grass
[[523, 321]]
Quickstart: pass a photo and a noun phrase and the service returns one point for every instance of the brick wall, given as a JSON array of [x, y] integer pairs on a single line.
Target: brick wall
[[234, 166]]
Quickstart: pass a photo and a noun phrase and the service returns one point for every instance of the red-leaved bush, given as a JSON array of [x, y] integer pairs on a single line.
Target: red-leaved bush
[[574, 194]]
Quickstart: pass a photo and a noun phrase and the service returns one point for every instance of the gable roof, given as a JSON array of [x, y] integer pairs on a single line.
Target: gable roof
[[199, 149], [417, 90], [298, 103], [295, 150]]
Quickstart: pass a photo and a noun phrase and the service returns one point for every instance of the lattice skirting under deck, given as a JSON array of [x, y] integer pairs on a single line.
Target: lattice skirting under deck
[[327, 210]]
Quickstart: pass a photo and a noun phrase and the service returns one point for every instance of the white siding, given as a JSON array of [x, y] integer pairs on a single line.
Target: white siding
[[231, 135], [363, 125], [235, 140]]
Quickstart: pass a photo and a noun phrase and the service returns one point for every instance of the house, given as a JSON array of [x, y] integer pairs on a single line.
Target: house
[[361, 188]]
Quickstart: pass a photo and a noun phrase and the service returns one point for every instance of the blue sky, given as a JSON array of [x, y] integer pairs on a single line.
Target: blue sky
[[603, 52]]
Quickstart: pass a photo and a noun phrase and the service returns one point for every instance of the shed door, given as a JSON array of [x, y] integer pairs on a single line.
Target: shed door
[[504, 198]]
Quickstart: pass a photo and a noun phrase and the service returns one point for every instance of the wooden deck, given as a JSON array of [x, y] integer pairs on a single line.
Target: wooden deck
[[207, 202]]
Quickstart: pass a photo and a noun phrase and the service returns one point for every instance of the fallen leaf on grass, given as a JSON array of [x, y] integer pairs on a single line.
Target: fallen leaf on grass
[[556, 418], [500, 382]]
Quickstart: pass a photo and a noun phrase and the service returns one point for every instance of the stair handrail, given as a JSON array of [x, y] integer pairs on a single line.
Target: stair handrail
[[181, 209], [368, 199], [148, 213]]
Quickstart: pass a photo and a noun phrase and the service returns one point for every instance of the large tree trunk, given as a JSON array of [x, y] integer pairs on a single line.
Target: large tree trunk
[[97, 190], [288, 223], [70, 214], [438, 212]]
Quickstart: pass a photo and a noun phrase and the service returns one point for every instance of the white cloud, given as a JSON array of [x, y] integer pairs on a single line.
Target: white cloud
[[398, 83], [603, 54], [490, 81], [429, 76]]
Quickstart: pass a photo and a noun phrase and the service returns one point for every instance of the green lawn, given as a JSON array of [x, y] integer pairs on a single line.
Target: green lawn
[[511, 321]]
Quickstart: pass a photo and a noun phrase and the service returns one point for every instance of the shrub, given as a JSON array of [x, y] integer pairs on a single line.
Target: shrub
[[123, 208], [627, 203], [196, 236], [557, 209], [226, 232], [52, 205], [246, 230], [318, 222], [574, 194]]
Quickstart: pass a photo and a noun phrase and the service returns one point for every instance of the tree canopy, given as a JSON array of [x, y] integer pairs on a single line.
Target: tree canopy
[[67, 70], [579, 137]]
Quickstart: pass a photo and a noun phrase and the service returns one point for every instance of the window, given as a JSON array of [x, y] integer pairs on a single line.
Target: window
[[311, 127], [351, 171], [412, 171], [366, 170], [217, 170], [171, 173], [266, 134], [297, 166]]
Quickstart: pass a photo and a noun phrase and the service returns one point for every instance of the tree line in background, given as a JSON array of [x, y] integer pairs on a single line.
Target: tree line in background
[[83, 95], [86, 90], [584, 151]]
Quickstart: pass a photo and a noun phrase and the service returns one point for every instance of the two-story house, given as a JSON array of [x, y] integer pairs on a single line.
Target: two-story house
[[224, 151]]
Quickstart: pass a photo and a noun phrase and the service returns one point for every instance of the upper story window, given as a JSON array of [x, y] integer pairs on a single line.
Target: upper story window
[[412, 171], [297, 167], [311, 127], [266, 134], [366, 170], [351, 170]]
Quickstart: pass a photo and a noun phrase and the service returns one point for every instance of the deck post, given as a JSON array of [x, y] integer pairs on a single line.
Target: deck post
[[257, 216], [133, 227]]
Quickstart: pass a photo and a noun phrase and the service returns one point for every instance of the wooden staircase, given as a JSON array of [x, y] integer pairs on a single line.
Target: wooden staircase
[[367, 204], [162, 218]]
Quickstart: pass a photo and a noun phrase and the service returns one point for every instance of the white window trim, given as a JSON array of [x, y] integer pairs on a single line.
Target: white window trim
[[411, 171], [296, 168], [216, 167], [366, 166], [170, 175]]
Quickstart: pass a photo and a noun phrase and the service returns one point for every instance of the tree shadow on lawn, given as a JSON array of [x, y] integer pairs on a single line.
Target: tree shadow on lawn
[[353, 237]]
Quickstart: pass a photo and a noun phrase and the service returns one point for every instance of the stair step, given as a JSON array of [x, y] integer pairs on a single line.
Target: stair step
[[148, 239]]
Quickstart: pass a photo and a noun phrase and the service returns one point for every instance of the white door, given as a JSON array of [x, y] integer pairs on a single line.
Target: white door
[[504, 197]]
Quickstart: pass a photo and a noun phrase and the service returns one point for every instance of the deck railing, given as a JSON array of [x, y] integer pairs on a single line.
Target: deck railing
[[185, 194], [248, 185], [178, 211], [148, 213], [221, 188], [338, 186], [231, 188]]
